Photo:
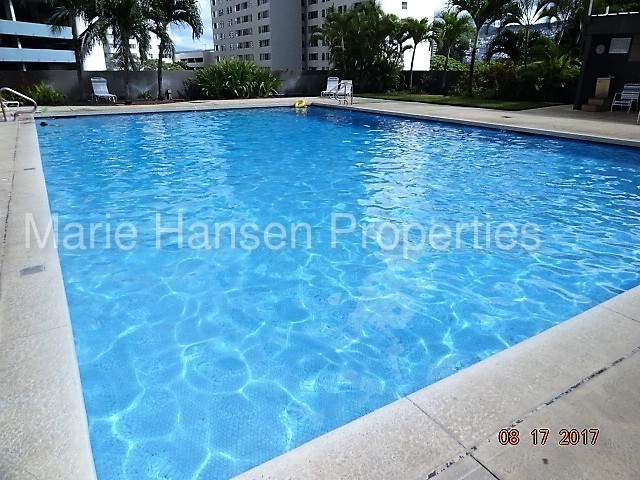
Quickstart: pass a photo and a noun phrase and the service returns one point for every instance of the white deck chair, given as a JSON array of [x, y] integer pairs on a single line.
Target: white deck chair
[[332, 84], [344, 92], [630, 93], [100, 90]]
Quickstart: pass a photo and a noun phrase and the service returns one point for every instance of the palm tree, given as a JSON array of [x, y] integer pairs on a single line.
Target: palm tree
[[511, 44], [526, 13], [417, 31], [334, 32], [566, 13], [451, 27], [180, 12], [365, 45], [127, 19], [68, 12], [482, 13]]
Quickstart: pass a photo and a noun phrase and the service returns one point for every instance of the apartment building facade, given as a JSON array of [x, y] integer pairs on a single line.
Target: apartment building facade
[[278, 34], [27, 41]]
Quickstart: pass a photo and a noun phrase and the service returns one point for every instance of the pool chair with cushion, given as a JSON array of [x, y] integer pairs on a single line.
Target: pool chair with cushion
[[332, 84], [627, 97], [100, 90], [343, 92]]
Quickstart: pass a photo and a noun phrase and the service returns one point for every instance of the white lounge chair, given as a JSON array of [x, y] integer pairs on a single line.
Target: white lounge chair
[[343, 92], [100, 90], [629, 95], [332, 84]]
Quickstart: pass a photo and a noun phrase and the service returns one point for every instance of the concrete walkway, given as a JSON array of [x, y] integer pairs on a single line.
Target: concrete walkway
[[583, 374]]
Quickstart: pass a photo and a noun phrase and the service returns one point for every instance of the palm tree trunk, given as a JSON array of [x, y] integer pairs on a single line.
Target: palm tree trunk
[[526, 47], [76, 50], [78, 55], [472, 65], [126, 51], [444, 74], [160, 52], [413, 56]]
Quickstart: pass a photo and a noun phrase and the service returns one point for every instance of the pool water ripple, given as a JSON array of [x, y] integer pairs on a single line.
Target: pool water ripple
[[200, 364]]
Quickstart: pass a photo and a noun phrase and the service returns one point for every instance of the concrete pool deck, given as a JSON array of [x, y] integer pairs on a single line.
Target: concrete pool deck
[[581, 374]]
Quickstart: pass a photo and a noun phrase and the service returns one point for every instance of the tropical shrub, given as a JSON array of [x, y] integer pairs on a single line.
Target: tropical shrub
[[437, 63], [233, 79], [554, 77], [498, 79], [44, 94]]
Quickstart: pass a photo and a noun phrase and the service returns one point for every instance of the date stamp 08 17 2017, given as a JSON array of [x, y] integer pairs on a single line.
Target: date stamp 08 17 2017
[[540, 436]]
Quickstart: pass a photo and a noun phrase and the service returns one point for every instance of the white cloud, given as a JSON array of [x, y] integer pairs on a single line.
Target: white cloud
[[181, 35]]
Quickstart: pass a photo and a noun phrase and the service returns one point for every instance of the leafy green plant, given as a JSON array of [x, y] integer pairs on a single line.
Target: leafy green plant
[[438, 62], [44, 94], [146, 95], [233, 79]]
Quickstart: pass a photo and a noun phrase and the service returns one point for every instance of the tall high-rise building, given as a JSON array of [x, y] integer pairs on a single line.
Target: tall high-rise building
[[278, 34]]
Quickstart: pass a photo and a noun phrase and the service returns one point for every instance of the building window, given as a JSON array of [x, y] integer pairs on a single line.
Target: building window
[[313, 56], [264, 43], [313, 14], [265, 56], [264, 28], [404, 5], [264, 14]]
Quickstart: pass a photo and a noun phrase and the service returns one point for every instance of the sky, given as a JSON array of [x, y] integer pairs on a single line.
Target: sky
[[182, 35]]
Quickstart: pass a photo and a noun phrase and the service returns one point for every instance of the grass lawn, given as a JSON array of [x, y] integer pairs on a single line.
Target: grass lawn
[[459, 101]]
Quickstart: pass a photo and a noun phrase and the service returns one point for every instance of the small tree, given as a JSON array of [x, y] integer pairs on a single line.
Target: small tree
[[417, 31], [165, 12], [526, 13], [451, 27], [482, 13]]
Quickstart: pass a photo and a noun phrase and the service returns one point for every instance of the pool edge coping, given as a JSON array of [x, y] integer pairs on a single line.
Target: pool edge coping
[[45, 410], [636, 292], [585, 137]]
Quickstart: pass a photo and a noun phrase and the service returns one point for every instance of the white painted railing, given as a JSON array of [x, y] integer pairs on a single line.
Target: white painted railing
[[3, 102]]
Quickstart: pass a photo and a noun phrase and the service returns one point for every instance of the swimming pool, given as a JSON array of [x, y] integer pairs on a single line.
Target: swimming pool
[[200, 363]]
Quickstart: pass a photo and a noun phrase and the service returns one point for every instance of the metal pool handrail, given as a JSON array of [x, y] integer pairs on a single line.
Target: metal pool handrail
[[18, 94]]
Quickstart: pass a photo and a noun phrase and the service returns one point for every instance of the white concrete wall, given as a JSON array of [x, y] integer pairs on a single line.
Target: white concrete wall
[[417, 9]]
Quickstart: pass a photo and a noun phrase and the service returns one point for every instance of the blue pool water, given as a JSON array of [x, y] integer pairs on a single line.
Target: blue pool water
[[201, 363]]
